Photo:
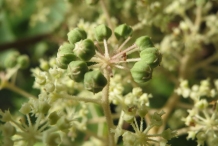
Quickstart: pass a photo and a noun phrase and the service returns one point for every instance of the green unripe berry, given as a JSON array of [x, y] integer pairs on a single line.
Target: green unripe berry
[[11, 59], [122, 31], [25, 109], [141, 72], [92, 2], [53, 118], [23, 61], [85, 49], [102, 32], [65, 55], [76, 35], [94, 81], [76, 70], [144, 42], [151, 56]]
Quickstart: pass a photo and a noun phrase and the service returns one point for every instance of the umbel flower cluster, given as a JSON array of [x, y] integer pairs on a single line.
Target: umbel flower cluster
[[61, 110]]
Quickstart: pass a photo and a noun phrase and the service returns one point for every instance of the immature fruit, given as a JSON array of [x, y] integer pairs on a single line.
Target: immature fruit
[[11, 59], [144, 42], [23, 61], [76, 70], [122, 31], [65, 55], [76, 35], [94, 81], [102, 32], [85, 49], [141, 72], [151, 56]]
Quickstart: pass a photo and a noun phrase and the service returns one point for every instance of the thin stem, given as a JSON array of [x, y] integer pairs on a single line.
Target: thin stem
[[108, 18], [123, 44], [205, 62], [17, 90], [124, 51], [141, 124], [106, 52], [29, 121], [84, 99], [128, 60], [106, 108]]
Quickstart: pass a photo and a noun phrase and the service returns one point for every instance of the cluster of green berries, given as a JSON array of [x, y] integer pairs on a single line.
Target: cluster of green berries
[[13, 58], [150, 58], [74, 57], [77, 56]]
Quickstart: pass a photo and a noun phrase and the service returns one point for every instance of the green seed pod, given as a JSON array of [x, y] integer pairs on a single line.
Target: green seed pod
[[65, 55], [11, 59], [76, 35], [53, 118], [122, 31], [85, 49], [92, 2], [94, 81], [23, 61], [151, 56], [141, 72], [144, 42], [102, 32], [76, 70]]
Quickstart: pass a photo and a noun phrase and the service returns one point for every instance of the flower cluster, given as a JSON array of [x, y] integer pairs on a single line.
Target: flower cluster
[[202, 118]]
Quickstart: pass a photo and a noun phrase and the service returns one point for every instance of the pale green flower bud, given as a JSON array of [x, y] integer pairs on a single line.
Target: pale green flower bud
[[156, 118], [63, 124], [65, 55], [76, 35], [122, 31], [128, 118], [53, 118], [168, 134], [142, 111], [25, 109], [8, 130], [44, 107], [51, 139], [85, 49], [6, 116], [102, 32], [50, 87], [201, 138], [76, 70], [94, 81], [137, 91], [23, 61], [141, 72], [92, 2], [144, 42]]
